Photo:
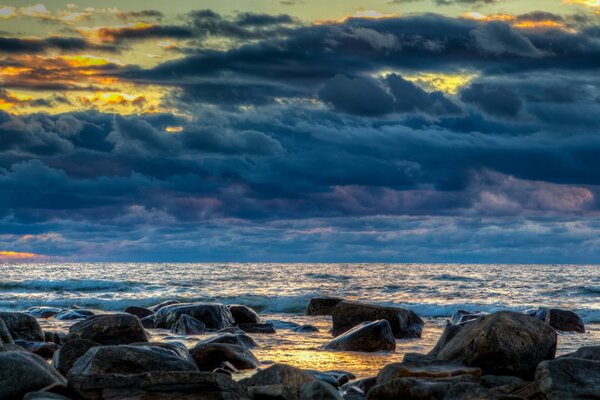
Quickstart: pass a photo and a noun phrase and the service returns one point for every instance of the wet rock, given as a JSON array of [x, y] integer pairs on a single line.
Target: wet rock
[[71, 351], [495, 381], [127, 359], [159, 385], [503, 343], [22, 326], [214, 316], [54, 337], [461, 316], [232, 329], [368, 336], [187, 325], [404, 322], [428, 369], [41, 395], [109, 329], [157, 307], [323, 377], [362, 385], [42, 349], [317, 390], [243, 314], [70, 315], [586, 352], [148, 322], [22, 372], [306, 329], [322, 305], [569, 378], [177, 347], [342, 377], [257, 328], [279, 324], [450, 330], [209, 356], [272, 392], [43, 312], [237, 339], [565, 320], [280, 374], [139, 312], [5, 337]]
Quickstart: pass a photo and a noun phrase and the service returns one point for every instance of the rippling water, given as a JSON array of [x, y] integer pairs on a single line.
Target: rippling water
[[281, 292]]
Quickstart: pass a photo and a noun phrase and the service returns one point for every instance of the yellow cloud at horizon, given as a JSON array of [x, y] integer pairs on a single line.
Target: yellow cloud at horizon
[[443, 82], [520, 22], [16, 255]]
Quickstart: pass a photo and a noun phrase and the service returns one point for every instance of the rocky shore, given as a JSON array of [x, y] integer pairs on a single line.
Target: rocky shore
[[504, 355]]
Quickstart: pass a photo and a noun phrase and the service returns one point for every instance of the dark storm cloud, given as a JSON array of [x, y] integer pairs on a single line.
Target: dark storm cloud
[[13, 45], [493, 100]]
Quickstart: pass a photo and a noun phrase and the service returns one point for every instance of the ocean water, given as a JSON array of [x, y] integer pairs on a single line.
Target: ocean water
[[281, 292]]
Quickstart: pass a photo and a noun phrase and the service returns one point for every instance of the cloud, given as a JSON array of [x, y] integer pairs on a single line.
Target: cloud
[[499, 38], [492, 99]]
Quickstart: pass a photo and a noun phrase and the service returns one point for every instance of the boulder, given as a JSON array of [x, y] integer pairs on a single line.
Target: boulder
[[43, 312], [496, 381], [157, 307], [240, 339], [159, 385], [179, 348], [22, 326], [139, 312], [427, 369], [323, 377], [307, 328], [361, 385], [243, 314], [317, 390], [272, 392], [42, 349], [280, 374], [569, 378], [214, 316], [503, 343], [450, 330], [187, 325], [565, 320], [209, 356], [5, 336], [461, 316], [257, 328], [71, 351], [322, 305], [70, 315], [586, 352], [342, 377], [22, 372], [55, 337], [148, 322], [42, 395], [404, 323], [109, 329], [368, 336], [128, 359]]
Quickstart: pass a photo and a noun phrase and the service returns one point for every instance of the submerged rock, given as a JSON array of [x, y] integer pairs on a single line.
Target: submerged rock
[[187, 325], [70, 315], [322, 305], [213, 315], [368, 336], [110, 329], [139, 312], [210, 356], [243, 314], [64, 358], [307, 328], [503, 343], [128, 359], [43, 312], [404, 322], [257, 328], [22, 372], [239, 339], [317, 390], [22, 326]]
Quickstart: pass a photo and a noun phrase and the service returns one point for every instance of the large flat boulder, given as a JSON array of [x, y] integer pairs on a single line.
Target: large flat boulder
[[322, 305], [503, 343], [128, 359], [110, 329], [210, 356], [404, 323], [569, 378], [213, 315], [287, 376], [22, 372], [427, 369], [22, 326], [368, 337]]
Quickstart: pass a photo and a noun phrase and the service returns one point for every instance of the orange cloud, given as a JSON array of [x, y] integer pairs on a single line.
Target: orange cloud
[[366, 14], [518, 21], [6, 255], [114, 98], [112, 33]]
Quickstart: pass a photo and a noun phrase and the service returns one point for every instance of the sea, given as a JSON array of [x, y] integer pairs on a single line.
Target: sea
[[280, 292]]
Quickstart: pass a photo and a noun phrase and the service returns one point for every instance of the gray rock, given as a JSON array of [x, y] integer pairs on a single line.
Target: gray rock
[[361, 385], [5, 336], [22, 372], [569, 379], [71, 315], [110, 329], [139, 312], [565, 320], [210, 356], [368, 336], [318, 390], [42, 349], [586, 352], [461, 316], [272, 392], [428, 369], [240, 339], [243, 314], [187, 325], [404, 322], [322, 305], [157, 307], [450, 330], [503, 343], [71, 351], [43, 312], [305, 329], [148, 322], [214, 316], [22, 326], [280, 374], [159, 385], [176, 347], [127, 359]]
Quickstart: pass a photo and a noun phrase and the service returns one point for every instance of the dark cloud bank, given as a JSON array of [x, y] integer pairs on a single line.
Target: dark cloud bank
[[300, 148]]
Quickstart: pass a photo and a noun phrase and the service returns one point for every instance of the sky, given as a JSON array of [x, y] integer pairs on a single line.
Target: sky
[[300, 131]]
